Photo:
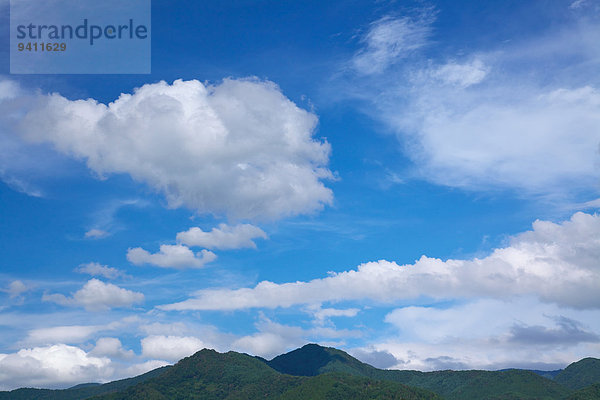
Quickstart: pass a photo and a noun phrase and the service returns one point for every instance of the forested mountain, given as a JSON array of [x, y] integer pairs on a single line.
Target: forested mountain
[[580, 374], [518, 384], [316, 372], [211, 375]]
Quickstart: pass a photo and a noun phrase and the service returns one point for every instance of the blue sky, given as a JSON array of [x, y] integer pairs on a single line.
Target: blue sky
[[413, 182]]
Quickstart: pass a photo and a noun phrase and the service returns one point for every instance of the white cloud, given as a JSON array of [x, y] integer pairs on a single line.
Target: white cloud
[[172, 348], [171, 256], [159, 328], [266, 344], [15, 289], [389, 40], [491, 334], [142, 368], [323, 314], [224, 237], [487, 318], [96, 269], [105, 219], [210, 336], [111, 347], [22, 165], [592, 204], [9, 90], [558, 263], [272, 338], [475, 142], [493, 118], [96, 295], [239, 148], [177, 340], [96, 234], [577, 4], [52, 366], [61, 334], [463, 75]]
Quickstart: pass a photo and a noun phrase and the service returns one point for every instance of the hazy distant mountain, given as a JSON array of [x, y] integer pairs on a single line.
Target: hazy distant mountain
[[316, 372]]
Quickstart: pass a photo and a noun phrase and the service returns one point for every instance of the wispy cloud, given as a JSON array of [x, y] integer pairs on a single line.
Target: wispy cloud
[[105, 220], [16, 289], [488, 119], [96, 234], [96, 269], [391, 39]]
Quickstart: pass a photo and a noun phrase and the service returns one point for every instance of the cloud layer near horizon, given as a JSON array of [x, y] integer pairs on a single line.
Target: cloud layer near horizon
[[558, 263], [537, 295]]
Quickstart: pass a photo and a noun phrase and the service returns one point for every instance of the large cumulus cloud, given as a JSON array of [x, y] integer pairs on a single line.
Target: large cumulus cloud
[[239, 148]]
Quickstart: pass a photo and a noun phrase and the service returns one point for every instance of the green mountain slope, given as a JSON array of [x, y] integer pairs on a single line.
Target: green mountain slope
[[589, 393], [547, 374], [333, 386], [457, 385], [580, 374], [316, 372], [80, 392], [313, 359], [211, 375], [514, 384]]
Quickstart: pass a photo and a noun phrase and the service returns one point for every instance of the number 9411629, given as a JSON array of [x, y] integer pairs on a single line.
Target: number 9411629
[[35, 46]]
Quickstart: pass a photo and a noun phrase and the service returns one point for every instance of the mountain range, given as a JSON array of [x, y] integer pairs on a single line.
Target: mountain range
[[316, 372]]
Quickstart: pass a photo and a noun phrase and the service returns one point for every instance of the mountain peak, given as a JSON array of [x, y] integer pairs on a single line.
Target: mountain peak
[[313, 359]]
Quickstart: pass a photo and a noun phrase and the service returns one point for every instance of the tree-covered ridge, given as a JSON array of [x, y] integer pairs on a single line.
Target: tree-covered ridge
[[580, 374], [591, 392], [333, 386], [79, 392], [313, 360], [316, 372], [209, 375]]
